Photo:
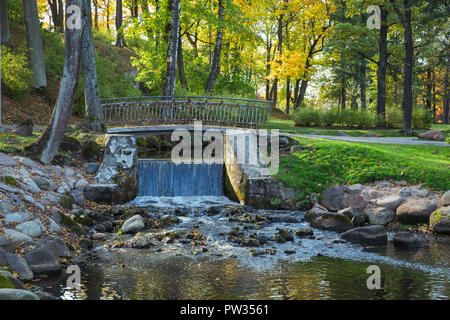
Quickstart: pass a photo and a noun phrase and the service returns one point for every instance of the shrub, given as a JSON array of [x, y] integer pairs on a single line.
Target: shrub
[[16, 75], [422, 118], [394, 117], [307, 117], [328, 117]]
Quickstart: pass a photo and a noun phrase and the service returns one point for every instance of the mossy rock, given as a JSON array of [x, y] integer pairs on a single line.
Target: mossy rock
[[71, 224], [5, 283], [71, 144], [91, 148], [66, 202], [440, 220], [141, 142], [11, 181], [84, 220]]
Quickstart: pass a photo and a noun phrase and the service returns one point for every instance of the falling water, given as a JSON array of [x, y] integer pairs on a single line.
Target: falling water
[[164, 178]]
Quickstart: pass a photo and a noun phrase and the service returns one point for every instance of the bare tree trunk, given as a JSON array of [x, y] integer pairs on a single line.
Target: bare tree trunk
[[180, 60], [363, 85], [48, 143], [4, 22], [429, 85], [107, 15], [94, 111], [268, 59], [96, 5], [446, 106], [34, 42], [217, 50], [343, 98], [172, 50], [56, 7], [382, 66], [120, 42], [288, 94]]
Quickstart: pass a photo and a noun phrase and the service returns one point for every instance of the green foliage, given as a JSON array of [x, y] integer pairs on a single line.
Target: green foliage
[[422, 118], [394, 117], [16, 75], [327, 163], [306, 117]]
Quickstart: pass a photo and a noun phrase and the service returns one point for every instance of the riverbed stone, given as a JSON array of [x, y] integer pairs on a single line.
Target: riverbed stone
[[407, 240], [81, 184], [332, 222], [92, 168], [17, 294], [391, 202], [142, 241], [101, 193], [134, 224], [315, 211], [332, 198], [379, 215], [18, 217], [369, 235], [33, 228], [19, 265], [53, 227], [5, 206], [415, 211], [58, 246], [405, 192], [440, 220], [445, 200], [43, 261], [283, 235], [17, 237], [7, 161], [14, 281], [45, 183], [30, 186], [355, 201], [6, 244]]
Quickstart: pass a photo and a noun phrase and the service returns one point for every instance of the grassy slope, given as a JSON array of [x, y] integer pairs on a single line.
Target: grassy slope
[[327, 163]]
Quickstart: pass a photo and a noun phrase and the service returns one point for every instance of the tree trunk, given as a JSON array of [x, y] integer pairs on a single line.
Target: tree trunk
[[96, 5], [94, 111], [4, 22], [120, 42], [56, 7], [382, 66], [48, 143], [217, 50], [107, 15], [429, 85], [268, 59], [343, 98], [280, 52], [363, 85], [180, 61], [288, 94], [34, 42], [172, 50], [446, 106]]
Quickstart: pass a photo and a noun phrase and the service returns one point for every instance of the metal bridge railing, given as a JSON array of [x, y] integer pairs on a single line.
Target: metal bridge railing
[[185, 110]]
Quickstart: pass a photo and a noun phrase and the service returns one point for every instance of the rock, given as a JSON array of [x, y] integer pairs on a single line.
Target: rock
[[81, 184], [101, 193], [354, 189], [24, 129], [100, 228], [14, 281], [91, 149], [66, 202], [69, 223], [314, 198], [141, 241], [349, 212], [19, 265], [53, 227], [445, 200], [70, 182], [294, 149], [433, 135], [133, 225], [338, 240], [379, 215], [354, 201], [17, 294], [92, 168], [332, 222], [29, 199], [43, 261], [359, 220], [33, 228], [314, 212], [6, 244], [57, 245], [8, 189], [86, 243], [30, 186], [68, 172], [371, 235], [27, 162], [5, 207], [7, 161], [304, 233], [283, 236], [45, 184], [383, 184], [407, 240], [391, 202], [17, 237], [78, 197], [63, 190], [405, 192], [415, 211], [423, 193], [98, 236], [332, 198], [440, 220], [17, 217]]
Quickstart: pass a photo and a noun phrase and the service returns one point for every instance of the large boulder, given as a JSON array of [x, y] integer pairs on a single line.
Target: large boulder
[[45, 184], [315, 211], [371, 235], [415, 211], [433, 135], [445, 200], [354, 201], [7, 161], [379, 215], [18, 217], [17, 237], [332, 198], [332, 222], [101, 193], [391, 202], [17, 294], [134, 224], [43, 261], [58, 246], [440, 220], [119, 167], [19, 265], [32, 229], [407, 240]]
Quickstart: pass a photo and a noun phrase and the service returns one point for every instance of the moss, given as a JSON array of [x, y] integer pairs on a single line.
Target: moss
[[84, 220], [66, 202], [69, 223], [11, 181], [438, 215], [5, 283], [338, 217], [90, 148]]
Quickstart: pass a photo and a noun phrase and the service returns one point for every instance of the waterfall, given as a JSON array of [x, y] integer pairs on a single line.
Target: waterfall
[[164, 178]]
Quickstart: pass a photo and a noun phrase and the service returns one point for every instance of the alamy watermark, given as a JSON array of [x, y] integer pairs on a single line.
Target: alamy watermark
[[254, 148], [374, 280], [374, 20], [74, 280], [73, 17]]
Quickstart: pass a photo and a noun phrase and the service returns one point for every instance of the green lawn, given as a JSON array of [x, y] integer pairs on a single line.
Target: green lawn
[[325, 163], [288, 126]]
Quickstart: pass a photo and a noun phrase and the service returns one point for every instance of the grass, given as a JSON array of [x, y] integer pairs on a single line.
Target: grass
[[288, 126], [326, 163], [11, 143]]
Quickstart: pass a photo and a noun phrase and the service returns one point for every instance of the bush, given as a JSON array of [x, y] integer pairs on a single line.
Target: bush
[[16, 75], [307, 117], [334, 117], [394, 117], [422, 118]]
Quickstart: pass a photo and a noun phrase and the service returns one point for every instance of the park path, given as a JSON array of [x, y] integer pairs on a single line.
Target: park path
[[387, 140]]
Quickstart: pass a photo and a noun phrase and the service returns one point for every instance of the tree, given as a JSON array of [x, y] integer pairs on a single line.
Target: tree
[[46, 147], [34, 42], [120, 42], [94, 111], [217, 50], [4, 22], [57, 9], [172, 49]]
